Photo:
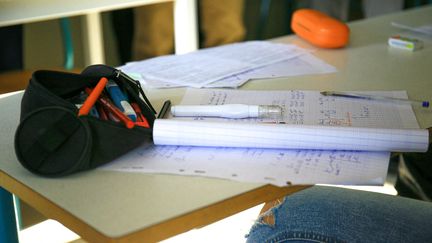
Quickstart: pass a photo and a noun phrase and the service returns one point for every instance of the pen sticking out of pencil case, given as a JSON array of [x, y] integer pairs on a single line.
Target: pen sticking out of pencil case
[[320, 29], [53, 140]]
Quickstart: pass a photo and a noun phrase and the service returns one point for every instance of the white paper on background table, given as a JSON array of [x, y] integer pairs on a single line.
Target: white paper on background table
[[304, 64], [424, 29], [279, 166], [226, 66]]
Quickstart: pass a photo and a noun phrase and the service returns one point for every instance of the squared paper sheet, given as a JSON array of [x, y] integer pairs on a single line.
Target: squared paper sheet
[[304, 64], [226, 66], [301, 64], [281, 167]]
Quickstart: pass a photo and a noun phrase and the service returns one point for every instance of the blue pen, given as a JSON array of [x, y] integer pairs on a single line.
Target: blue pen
[[120, 100], [422, 103], [94, 112]]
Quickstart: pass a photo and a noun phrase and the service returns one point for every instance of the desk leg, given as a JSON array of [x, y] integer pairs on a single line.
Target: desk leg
[[8, 226], [185, 26], [93, 39]]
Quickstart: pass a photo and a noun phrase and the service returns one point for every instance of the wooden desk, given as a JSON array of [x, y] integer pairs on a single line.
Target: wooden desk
[[104, 206], [27, 11], [11, 81]]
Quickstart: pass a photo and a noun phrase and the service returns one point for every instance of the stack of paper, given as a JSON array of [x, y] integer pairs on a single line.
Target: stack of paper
[[281, 166], [226, 66]]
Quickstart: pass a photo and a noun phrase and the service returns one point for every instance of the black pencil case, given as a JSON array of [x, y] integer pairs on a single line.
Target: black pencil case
[[52, 140]]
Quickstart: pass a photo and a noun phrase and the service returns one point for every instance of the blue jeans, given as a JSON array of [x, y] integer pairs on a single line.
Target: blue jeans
[[328, 214]]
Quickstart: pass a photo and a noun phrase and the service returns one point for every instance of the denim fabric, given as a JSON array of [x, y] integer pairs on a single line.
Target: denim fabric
[[328, 214]]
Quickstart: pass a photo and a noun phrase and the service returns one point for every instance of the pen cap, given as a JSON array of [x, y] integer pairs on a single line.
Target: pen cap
[[53, 141], [270, 111]]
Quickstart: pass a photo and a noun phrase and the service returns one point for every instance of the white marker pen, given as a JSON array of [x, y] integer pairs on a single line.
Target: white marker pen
[[228, 111]]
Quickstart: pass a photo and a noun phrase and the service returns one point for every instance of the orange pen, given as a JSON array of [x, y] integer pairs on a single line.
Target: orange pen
[[92, 98]]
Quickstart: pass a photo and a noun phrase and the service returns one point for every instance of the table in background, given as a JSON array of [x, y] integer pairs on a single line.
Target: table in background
[[27, 11], [104, 206]]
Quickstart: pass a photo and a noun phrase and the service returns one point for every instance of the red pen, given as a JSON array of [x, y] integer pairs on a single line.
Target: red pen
[[141, 120], [105, 102], [102, 114]]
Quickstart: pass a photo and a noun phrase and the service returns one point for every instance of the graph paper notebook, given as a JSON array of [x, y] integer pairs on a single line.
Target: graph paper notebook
[[287, 136]]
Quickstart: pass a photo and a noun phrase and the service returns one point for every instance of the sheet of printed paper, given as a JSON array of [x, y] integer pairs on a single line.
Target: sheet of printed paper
[[304, 64], [274, 166], [205, 66]]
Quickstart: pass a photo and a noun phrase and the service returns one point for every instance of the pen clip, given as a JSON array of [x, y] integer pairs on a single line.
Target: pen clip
[[164, 109]]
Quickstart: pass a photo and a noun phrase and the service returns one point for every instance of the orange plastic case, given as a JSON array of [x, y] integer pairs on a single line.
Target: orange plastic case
[[319, 28]]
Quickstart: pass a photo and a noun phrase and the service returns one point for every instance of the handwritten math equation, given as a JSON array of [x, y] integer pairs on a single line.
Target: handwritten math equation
[[276, 166], [311, 108]]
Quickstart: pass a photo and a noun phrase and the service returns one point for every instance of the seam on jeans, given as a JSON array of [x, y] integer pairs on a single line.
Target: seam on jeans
[[305, 236]]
